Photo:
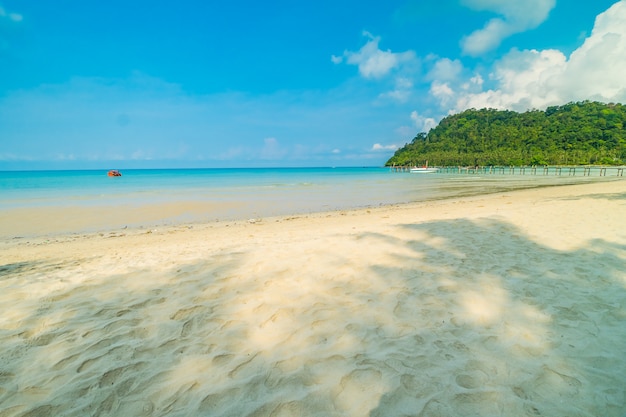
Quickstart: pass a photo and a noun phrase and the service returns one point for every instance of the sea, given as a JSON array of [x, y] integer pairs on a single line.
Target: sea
[[253, 193]]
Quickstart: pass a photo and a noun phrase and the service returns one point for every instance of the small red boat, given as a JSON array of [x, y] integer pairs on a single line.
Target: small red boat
[[114, 173]]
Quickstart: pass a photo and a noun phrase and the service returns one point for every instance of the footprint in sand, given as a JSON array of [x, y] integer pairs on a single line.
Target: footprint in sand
[[475, 375], [558, 382], [436, 408], [419, 386], [482, 403], [360, 390], [471, 381]]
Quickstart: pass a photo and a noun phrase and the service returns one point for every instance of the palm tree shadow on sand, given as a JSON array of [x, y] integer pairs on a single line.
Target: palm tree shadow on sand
[[522, 329], [465, 318]]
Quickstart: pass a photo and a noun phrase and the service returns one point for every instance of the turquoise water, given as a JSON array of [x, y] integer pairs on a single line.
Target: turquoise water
[[253, 192], [341, 187]]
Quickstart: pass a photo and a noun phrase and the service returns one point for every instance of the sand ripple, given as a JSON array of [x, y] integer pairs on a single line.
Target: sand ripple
[[391, 313]]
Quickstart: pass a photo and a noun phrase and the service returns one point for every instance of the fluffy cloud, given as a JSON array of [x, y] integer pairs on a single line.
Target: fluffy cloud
[[600, 62], [527, 79], [401, 92], [423, 124], [373, 62], [517, 16], [379, 147], [445, 70]]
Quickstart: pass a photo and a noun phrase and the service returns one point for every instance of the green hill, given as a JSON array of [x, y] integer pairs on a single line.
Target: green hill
[[573, 134]]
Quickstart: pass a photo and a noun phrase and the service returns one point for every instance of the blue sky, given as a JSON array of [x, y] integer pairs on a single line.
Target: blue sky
[[124, 84]]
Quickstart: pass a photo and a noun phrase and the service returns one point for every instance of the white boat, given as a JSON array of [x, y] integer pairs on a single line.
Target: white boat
[[424, 169]]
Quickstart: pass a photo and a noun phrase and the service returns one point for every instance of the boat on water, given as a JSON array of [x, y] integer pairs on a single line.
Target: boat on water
[[114, 173], [424, 169]]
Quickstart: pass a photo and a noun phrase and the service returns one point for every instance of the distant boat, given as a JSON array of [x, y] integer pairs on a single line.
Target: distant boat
[[424, 169], [114, 173]]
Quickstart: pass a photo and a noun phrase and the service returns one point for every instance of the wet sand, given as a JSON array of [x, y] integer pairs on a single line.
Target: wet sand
[[506, 304]]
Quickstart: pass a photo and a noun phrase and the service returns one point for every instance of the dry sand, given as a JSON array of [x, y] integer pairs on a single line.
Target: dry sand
[[511, 304]]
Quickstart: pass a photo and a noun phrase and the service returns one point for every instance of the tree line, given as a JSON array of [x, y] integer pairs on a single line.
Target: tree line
[[577, 133]]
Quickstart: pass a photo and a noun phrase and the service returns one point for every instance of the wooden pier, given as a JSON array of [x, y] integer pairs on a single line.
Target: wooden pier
[[557, 170]]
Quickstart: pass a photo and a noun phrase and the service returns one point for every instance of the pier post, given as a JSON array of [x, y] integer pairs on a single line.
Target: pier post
[[603, 171]]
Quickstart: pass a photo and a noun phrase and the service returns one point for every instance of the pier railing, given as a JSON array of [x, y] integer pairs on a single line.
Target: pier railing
[[557, 170]]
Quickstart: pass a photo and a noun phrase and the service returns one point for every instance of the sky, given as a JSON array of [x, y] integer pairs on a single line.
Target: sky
[[204, 83]]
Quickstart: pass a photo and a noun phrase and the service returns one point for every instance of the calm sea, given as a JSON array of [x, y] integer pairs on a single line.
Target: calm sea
[[250, 192]]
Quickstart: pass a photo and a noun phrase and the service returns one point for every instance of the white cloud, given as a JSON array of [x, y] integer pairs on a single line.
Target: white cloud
[[445, 69], [517, 16], [525, 79], [373, 62], [528, 79], [423, 124], [600, 62], [443, 92], [401, 92], [379, 147], [475, 82]]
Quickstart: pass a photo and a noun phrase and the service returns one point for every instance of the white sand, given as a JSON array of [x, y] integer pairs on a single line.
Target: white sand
[[511, 304]]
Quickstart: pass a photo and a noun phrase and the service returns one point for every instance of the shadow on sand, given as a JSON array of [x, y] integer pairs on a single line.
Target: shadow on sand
[[476, 319]]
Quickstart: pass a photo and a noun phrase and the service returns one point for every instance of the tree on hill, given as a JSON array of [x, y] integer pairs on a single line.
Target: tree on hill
[[581, 133]]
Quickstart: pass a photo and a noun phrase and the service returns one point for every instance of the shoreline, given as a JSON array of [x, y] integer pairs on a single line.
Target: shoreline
[[54, 222], [502, 303]]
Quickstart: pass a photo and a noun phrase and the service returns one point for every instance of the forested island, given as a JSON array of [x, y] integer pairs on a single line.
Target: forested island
[[581, 133]]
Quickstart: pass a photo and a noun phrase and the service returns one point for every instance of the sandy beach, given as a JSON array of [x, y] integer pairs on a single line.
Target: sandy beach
[[510, 304]]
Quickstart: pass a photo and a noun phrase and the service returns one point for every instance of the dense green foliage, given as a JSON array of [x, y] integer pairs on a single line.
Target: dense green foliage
[[573, 134]]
